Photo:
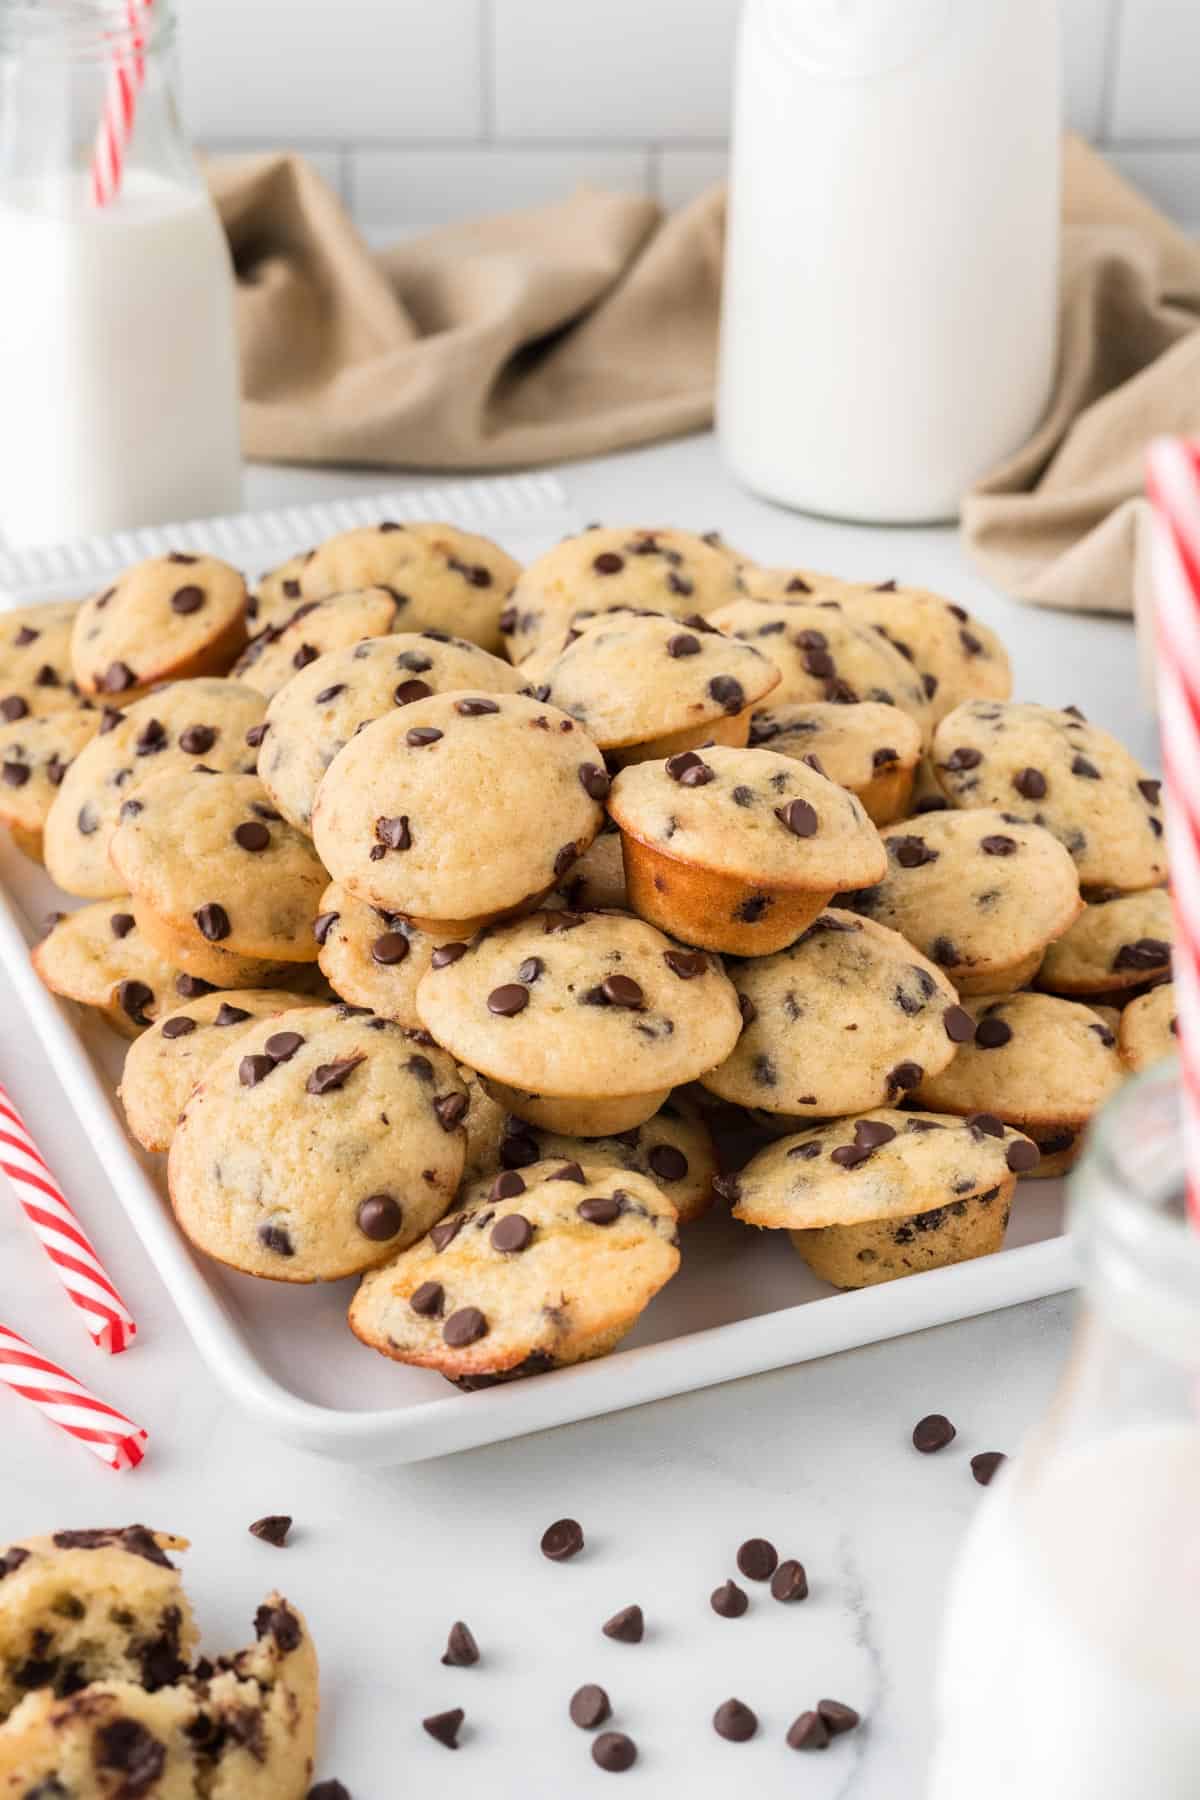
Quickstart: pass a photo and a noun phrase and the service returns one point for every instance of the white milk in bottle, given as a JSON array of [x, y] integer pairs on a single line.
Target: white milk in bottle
[[118, 358]]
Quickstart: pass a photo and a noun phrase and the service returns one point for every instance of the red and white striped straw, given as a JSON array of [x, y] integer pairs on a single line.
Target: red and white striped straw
[[92, 1422], [126, 76], [87, 1282], [1173, 482]]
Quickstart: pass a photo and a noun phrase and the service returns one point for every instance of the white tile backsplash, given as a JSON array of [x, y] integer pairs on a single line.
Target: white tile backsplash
[[421, 111]]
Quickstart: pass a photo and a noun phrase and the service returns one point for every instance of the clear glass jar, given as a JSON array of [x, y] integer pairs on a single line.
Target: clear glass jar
[[118, 356], [1070, 1663]]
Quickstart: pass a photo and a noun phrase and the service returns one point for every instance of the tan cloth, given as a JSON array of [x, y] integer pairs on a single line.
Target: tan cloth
[[590, 324]]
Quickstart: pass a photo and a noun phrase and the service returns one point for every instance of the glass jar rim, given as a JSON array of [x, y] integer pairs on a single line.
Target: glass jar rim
[[1139, 1253], [82, 31]]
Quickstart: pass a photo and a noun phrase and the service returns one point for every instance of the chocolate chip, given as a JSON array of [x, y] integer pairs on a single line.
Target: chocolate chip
[[837, 1717], [450, 1110], [933, 1432], [1145, 953], [256, 734], [462, 1652], [905, 1075], [330, 693], [408, 691], [729, 1601], [56, 768], [190, 987], [871, 1133], [251, 836], [667, 1163], [253, 1069], [992, 1033], [734, 1720], [849, 1156], [130, 1750], [281, 1046], [466, 1326], [196, 739], [911, 852], [116, 678], [789, 1582], [133, 998], [130, 809], [808, 1732], [212, 920], [326, 1078], [379, 1217], [621, 990], [727, 693], [507, 1001], [121, 924], [798, 817], [625, 1627], [272, 1529], [446, 1232], [687, 964], [589, 1706], [963, 758], [151, 738], [985, 1464], [562, 1540], [421, 736], [475, 709], [1088, 770], [391, 834], [512, 1234], [445, 1726], [594, 780], [187, 600], [1150, 791], [757, 1559], [177, 1028], [1022, 1156], [986, 1125], [601, 1209], [1030, 784], [614, 1752], [689, 769], [87, 820], [331, 1789], [275, 1238], [307, 653], [391, 948], [13, 707], [230, 1015], [426, 1301], [960, 1026]]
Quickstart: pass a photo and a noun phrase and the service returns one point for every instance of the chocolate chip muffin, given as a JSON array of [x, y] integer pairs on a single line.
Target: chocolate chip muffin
[[321, 708], [443, 579], [317, 1146], [312, 630], [644, 686], [371, 958], [556, 1274], [847, 1018], [166, 1062], [580, 1023], [886, 1194], [98, 957], [1054, 768], [35, 661], [871, 749], [1115, 944], [615, 567], [956, 656], [739, 850], [162, 620], [35, 754], [981, 892], [1041, 1064], [766, 582], [462, 806], [207, 720], [1147, 1030], [822, 653], [210, 856]]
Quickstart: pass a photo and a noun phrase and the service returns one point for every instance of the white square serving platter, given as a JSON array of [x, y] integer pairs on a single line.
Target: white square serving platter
[[743, 1300]]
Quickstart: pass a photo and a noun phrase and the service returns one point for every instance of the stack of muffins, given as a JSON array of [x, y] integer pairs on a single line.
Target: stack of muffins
[[452, 909]]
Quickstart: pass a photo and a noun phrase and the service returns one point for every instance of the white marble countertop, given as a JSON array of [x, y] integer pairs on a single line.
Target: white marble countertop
[[815, 1458]]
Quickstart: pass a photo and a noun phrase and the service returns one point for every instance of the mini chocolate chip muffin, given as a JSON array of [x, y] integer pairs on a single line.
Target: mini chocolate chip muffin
[[515, 1286], [645, 686], [371, 958], [35, 661], [673, 1149], [956, 656], [1114, 944], [460, 807], [277, 593], [161, 620], [312, 630], [596, 883], [980, 892], [1051, 767], [764, 582], [318, 1145], [1042, 1064], [847, 1018], [739, 850], [1147, 1030], [126, 1719], [870, 749], [99, 958], [322, 707], [886, 1194], [580, 1023], [823, 653], [444, 579], [35, 754], [209, 855], [615, 567], [166, 1062], [206, 720]]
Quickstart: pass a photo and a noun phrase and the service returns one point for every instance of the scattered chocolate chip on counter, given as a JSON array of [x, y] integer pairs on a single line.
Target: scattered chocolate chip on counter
[[757, 1559], [626, 1627], [789, 1582], [462, 1652], [272, 1529], [734, 1720], [985, 1465], [614, 1752], [933, 1432], [729, 1601], [562, 1540], [445, 1726], [589, 1706]]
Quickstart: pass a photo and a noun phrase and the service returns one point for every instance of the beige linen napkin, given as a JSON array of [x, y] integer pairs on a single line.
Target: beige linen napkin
[[591, 324]]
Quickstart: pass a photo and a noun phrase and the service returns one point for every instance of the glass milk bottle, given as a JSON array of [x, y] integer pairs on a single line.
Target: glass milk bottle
[[1070, 1662], [891, 262], [118, 359]]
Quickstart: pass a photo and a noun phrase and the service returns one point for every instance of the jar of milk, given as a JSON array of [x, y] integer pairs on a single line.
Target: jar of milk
[[1070, 1665], [118, 359]]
